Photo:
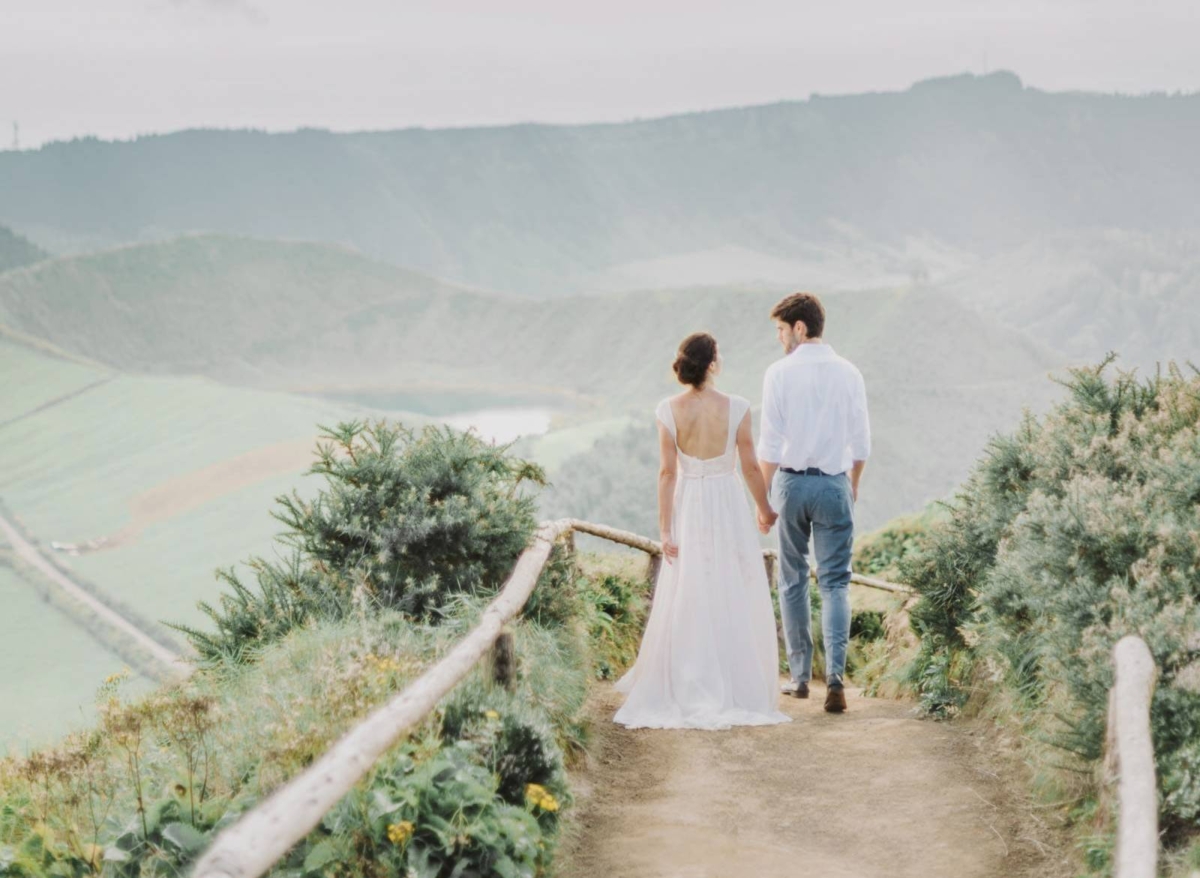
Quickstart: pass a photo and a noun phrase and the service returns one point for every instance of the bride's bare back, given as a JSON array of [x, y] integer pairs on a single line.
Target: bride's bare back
[[701, 423]]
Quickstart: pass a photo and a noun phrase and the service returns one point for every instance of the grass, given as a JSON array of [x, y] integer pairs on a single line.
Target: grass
[[42, 379], [52, 668], [197, 753], [72, 470], [171, 565]]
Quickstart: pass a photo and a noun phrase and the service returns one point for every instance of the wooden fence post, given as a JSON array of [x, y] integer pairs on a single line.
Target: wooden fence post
[[653, 565], [504, 661], [1131, 759]]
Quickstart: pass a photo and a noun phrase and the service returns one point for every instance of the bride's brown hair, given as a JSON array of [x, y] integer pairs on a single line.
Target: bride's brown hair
[[696, 354]]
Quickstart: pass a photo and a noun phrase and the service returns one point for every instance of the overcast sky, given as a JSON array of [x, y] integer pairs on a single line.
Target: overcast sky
[[117, 68]]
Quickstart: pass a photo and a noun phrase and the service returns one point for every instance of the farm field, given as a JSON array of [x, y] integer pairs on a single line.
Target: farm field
[[52, 668]]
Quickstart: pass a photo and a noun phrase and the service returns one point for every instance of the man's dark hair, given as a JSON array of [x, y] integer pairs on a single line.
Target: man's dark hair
[[803, 308]]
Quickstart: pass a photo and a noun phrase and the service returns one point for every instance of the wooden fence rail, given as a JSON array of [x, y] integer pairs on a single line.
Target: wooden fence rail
[[256, 842], [1131, 759]]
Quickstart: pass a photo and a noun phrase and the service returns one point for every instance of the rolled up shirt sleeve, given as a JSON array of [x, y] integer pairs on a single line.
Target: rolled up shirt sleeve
[[860, 432], [770, 439]]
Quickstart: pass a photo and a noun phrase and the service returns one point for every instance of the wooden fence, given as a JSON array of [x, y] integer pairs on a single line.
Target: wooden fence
[[1130, 759], [256, 842]]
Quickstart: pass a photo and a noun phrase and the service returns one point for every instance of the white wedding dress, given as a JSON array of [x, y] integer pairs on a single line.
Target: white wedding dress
[[708, 658]]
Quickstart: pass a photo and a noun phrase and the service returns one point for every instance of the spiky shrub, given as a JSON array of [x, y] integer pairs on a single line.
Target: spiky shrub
[[1072, 532], [406, 521], [418, 516]]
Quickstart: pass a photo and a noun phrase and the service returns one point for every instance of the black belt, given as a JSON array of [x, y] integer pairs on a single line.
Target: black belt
[[811, 471]]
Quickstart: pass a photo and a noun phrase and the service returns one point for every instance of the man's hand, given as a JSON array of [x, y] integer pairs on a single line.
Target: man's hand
[[766, 520], [856, 472]]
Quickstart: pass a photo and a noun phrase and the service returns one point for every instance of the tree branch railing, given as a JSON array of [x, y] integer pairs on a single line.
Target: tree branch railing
[[266, 833], [1130, 759]]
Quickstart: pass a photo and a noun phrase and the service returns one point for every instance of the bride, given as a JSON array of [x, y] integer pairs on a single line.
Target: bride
[[709, 658]]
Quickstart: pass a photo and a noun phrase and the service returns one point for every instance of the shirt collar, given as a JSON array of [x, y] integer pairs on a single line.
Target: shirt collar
[[823, 351]]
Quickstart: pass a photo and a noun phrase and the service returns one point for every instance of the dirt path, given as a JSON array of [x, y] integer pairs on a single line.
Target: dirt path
[[874, 793]]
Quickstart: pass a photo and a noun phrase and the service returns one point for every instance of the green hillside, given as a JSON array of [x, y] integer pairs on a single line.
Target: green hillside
[[969, 163], [1089, 293], [205, 304], [178, 473], [315, 318], [16, 251]]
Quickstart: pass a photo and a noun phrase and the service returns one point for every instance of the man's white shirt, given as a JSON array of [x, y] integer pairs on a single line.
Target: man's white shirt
[[814, 412]]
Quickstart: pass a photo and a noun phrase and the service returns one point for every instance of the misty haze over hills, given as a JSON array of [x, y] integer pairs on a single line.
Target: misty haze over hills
[[177, 313], [993, 233], [849, 191]]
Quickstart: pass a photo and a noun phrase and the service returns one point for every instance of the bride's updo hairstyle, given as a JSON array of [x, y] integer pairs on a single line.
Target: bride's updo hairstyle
[[696, 354]]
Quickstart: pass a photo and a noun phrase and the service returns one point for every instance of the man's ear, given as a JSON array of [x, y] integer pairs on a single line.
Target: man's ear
[[800, 328]]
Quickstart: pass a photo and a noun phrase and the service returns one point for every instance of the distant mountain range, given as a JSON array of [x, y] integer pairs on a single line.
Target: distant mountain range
[[835, 192]]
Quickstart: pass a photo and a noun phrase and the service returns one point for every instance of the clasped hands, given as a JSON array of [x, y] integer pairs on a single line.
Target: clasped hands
[[767, 519]]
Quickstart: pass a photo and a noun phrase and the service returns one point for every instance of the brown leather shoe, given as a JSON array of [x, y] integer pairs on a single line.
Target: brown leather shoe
[[796, 690], [835, 699]]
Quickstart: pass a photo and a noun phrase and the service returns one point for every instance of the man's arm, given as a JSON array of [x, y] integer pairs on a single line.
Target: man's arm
[[856, 472], [770, 440], [860, 442]]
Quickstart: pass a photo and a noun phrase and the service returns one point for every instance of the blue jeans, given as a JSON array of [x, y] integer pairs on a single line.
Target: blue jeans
[[820, 507]]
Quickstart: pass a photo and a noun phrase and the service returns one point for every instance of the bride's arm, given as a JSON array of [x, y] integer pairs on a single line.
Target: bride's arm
[[666, 489], [751, 472]]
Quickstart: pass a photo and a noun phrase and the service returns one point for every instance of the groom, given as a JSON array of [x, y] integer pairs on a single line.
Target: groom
[[816, 433]]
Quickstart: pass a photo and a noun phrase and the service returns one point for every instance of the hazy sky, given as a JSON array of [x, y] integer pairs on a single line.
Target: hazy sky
[[117, 68]]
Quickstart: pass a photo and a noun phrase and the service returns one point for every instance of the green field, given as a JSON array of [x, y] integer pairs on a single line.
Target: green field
[[51, 668], [73, 467], [172, 564], [41, 379], [70, 471]]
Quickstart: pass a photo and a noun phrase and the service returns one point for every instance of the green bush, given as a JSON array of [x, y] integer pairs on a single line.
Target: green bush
[[430, 817], [479, 787], [514, 742], [1075, 530], [406, 521], [880, 552]]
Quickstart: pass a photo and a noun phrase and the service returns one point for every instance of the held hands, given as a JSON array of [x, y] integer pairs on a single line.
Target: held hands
[[766, 519]]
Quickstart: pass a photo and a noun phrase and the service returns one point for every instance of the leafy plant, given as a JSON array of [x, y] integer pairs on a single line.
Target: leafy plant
[[1073, 531], [407, 520]]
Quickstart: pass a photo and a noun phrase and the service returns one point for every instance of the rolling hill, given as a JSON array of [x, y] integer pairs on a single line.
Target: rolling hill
[[1086, 293], [332, 323], [862, 190]]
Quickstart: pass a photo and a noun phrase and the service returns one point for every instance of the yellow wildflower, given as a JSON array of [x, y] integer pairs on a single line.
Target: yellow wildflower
[[399, 833], [491, 714], [538, 796]]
